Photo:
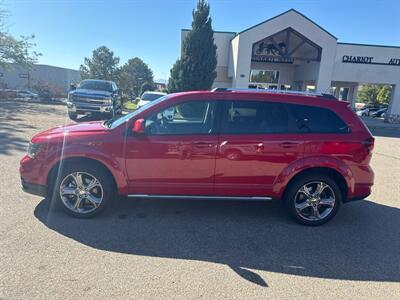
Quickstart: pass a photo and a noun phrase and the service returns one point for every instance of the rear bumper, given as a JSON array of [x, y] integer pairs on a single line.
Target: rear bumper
[[361, 191], [363, 180], [33, 188]]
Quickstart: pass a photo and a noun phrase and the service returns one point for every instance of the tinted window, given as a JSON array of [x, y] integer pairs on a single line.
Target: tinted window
[[151, 96], [95, 85], [254, 117], [317, 119], [195, 117]]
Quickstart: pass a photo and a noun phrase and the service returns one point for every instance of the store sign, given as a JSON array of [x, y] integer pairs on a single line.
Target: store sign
[[369, 60], [272, 59], [265, 51]]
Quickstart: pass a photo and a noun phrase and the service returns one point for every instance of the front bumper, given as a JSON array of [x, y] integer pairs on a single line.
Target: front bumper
[[33, 188], [101, 108]]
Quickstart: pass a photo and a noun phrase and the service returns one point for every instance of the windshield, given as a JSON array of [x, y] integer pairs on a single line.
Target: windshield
[[113, 124], [150, 96], [96, 85]]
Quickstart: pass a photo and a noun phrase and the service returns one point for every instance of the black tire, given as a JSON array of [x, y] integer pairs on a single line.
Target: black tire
[[99, 173], [292, 196], [73, 116]]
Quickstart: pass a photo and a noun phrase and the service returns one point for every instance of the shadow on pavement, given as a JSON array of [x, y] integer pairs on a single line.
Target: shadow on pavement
[[394, 132], [361, 243]]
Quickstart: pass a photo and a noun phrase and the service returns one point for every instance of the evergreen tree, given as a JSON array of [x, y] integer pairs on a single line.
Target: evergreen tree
[[103, 65], [195, 70]]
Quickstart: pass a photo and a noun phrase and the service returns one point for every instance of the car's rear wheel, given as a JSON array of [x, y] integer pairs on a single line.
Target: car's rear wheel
[[313, 199], [83, 190]]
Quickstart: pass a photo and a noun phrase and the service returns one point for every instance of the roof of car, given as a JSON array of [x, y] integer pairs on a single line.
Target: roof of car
[[304, 98], [157, 93], [100, 80]]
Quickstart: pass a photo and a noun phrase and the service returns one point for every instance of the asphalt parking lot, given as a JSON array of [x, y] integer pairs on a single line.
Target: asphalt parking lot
[[200, 249]]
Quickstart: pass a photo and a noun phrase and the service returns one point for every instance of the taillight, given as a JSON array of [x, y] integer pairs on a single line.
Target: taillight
[[369, 143]]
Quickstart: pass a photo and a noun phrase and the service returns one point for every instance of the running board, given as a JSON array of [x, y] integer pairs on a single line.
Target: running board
[[198, 197]]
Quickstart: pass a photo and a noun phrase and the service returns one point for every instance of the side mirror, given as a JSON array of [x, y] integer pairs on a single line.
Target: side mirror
[[72, 87], [139, 126]]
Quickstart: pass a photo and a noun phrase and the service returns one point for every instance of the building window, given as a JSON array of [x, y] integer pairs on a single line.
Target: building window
[[344, 93], [310, 88], [264, 76], [286, 87]]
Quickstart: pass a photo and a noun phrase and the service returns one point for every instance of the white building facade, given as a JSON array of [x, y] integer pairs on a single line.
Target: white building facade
[[290, 51], [22, 78]]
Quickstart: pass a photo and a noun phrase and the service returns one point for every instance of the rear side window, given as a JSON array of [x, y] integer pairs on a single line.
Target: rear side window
[[241, 117], [310, 119]]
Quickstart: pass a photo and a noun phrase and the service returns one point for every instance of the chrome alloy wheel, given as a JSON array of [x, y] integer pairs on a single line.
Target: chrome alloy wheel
[[81, 192], [314, 201]]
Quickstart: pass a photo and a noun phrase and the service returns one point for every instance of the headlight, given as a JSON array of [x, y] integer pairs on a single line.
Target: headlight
[[33, 150]]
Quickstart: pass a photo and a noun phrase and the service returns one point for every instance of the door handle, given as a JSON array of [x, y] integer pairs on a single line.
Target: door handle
[[202, 145], [259, 148], [288, 144]]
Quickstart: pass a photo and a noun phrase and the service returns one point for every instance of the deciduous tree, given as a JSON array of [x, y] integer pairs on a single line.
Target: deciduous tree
[[15, 50], [133, 75]]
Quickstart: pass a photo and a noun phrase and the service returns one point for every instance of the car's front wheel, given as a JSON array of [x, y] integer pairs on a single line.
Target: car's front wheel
[[83, 190], [313, 199]]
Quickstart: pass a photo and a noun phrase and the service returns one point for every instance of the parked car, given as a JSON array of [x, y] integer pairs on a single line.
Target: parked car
[[27, 94], [311, 151], [363, 112], [148, 97], [94, 96], [380, 113], [371, 110]]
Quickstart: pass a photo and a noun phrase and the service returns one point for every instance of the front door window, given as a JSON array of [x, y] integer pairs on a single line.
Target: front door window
[[195, 117]]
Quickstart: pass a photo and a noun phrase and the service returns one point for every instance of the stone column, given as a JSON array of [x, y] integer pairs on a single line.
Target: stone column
[[393, 114], [354, 95]]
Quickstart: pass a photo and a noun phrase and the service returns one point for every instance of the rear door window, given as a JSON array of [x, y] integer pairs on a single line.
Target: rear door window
[[311, 119], [254, 117]]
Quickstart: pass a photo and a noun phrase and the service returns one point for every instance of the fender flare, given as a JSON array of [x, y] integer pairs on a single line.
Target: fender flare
[[306, 163], [115, 167]]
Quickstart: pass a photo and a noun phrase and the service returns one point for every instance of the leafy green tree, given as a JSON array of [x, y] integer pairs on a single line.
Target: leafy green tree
[[175, 80], [15, 50], [133, 75], [368, 94], [375, 94], [147, 86], [195, 70], [103, 65], [384, 94]]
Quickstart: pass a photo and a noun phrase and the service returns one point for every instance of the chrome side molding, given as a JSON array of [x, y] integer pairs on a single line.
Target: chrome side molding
[[189, 197]]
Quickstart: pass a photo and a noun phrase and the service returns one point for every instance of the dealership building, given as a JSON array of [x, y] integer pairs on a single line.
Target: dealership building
[[22, 78], [291, 52]]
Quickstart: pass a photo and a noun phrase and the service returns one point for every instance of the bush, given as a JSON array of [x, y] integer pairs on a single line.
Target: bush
[[47, 92]]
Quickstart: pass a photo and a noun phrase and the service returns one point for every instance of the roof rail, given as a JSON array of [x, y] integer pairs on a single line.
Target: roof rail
[[274, 91]]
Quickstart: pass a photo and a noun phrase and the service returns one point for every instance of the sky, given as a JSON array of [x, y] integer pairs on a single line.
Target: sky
[[66, 31]]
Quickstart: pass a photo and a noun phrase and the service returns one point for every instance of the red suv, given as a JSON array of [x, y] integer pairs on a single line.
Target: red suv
[[310, 150]]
